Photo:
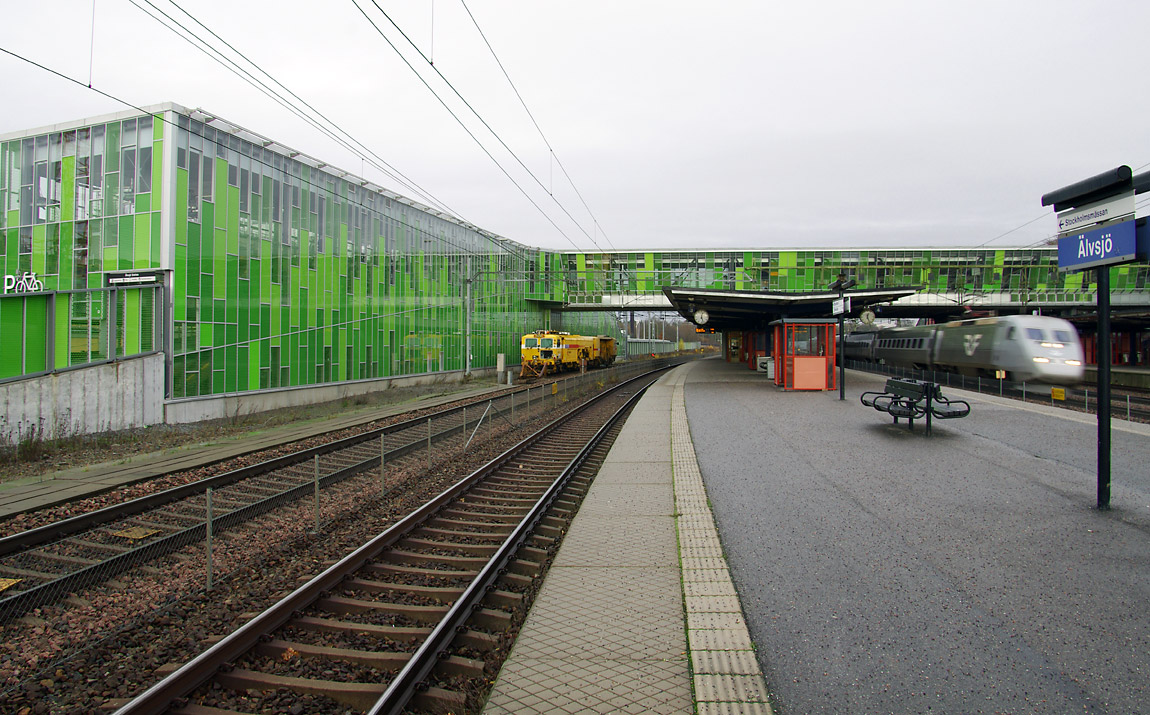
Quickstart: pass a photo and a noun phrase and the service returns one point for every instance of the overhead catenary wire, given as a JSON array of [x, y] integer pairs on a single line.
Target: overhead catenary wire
[[287, 104], [235, 68], [343, 138], [481, 120], [501, 244], [398, 176], [539, 129], [1042, 216], [1048, 239]]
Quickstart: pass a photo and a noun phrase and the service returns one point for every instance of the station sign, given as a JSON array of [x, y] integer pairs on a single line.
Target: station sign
[[1107, 245], [1109, 209], [135, 278], [840, 306]]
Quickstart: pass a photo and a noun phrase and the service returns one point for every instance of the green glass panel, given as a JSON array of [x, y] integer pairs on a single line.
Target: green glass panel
[[68, 188], [35, 334], [142, 240], [12, 333], [63, 311], [126, 240], [40, 249]]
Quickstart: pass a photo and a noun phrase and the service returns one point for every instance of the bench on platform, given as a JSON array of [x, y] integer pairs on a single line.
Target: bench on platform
[[914, 399]]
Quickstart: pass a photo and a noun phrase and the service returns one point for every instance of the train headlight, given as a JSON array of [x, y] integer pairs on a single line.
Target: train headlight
[[1041, 359], [1052, 345], [1074, 362]]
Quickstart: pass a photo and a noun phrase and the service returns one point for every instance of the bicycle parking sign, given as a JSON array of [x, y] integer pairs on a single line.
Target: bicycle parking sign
[[25, 282]]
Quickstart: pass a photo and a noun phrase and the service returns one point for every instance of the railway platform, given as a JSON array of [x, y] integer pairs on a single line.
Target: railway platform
[[876, 569]]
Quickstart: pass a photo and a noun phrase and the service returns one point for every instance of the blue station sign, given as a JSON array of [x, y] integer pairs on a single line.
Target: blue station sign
[[1105, 246]]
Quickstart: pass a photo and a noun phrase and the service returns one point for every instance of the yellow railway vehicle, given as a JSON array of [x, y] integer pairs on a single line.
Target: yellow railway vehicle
[[547, 352]]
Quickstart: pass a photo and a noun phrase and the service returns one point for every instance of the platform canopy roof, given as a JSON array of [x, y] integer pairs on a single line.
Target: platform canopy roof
[[728, 310]]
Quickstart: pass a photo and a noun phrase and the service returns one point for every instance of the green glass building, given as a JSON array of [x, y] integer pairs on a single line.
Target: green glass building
[[252, 266]]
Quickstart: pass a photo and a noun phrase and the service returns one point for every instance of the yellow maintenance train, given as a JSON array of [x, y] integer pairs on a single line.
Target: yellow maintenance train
[[546, 352]]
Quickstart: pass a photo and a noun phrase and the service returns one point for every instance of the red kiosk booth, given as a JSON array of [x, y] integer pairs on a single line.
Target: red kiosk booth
[[804, 351]]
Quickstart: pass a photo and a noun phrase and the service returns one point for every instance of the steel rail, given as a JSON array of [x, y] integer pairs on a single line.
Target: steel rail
[[24, 540], [16, 604], [404, 686], [50, 591], [184, 680]]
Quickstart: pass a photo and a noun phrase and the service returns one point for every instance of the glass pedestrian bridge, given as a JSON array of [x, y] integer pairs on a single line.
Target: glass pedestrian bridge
[[1017, 279]]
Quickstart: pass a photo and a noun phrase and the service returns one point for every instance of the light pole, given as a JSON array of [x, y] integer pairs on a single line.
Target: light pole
[[841, 285]]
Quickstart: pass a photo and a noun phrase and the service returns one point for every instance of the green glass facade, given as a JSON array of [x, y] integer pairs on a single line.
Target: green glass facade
[[280, 272]]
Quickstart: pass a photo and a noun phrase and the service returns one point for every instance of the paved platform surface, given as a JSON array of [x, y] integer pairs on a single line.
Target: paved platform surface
[[41, 492], [882, 570], [638, 613]]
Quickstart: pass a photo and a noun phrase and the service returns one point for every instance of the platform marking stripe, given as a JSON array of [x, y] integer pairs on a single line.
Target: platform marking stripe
[[726, 673]]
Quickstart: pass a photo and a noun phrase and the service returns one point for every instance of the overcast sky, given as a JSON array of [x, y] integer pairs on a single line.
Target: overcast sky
[[736, 124]]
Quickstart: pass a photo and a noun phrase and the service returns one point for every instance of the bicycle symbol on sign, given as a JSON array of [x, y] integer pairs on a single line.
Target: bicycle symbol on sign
[[26, 282]]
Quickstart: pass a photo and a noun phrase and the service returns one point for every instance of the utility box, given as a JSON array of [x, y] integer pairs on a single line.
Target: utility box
[[767, 365]]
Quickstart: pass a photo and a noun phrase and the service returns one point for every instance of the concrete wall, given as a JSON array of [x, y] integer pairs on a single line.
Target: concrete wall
[[130, 393], [120, 395]]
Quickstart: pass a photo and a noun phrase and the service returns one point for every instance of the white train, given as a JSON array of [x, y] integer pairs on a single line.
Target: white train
[[1029, 348]]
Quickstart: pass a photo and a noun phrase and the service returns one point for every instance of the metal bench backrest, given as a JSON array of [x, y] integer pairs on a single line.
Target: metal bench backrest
[[909, 389]]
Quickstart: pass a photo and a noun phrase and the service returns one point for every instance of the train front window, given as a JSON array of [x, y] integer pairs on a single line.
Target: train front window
[[1035, 334], [1062, 336], [547, 343], [530, 343]]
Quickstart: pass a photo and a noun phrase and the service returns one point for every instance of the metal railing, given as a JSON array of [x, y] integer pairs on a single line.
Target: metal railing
[[1126, 406]]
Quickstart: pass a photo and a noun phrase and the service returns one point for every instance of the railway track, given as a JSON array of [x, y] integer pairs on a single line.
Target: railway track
[[45, 564], [420, 614]]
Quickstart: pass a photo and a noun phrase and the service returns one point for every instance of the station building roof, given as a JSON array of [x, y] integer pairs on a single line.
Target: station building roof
[[728, 310]]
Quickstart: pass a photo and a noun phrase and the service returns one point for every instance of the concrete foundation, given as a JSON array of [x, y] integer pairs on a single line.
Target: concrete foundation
[[129, 394], [102, 398]]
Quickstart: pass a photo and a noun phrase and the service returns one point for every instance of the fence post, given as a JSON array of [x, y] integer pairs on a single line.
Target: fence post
[[382, 466], [429, 443], [317, 493], [209, 538]]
